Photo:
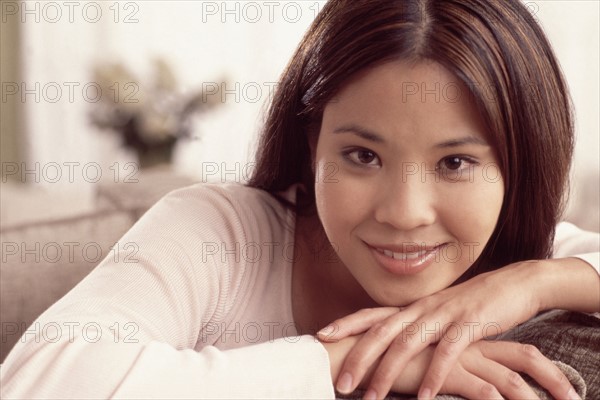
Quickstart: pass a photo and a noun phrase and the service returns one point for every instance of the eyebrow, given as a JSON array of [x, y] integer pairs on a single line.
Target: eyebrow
[[361, 132], [376, 138], [462, 142]]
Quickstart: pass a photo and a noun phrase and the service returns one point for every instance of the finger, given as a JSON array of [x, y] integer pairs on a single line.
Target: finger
[[446, 354], [391, 366], [413, 339], [463, 383], [528, 359], [355, 323], [365, 353], [508, 382]]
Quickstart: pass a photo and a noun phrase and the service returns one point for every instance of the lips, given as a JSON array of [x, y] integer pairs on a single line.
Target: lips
[[404, 255], [405, 260]]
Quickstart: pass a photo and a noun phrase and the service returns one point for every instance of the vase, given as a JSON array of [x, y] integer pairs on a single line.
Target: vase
[[156, 154]]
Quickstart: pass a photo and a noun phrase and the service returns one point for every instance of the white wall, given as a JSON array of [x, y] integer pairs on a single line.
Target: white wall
[[573, 29]]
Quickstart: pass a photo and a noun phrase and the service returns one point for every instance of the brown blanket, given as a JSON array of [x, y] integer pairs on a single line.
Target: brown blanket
[[571, 339]]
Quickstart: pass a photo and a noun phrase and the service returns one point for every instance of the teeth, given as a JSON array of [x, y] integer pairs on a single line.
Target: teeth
[[403, 256]]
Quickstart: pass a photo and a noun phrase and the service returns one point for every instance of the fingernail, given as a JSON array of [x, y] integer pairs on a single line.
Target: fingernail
[[425, 394], [328, 330], [572, 395], [344, 383], [370, 395]]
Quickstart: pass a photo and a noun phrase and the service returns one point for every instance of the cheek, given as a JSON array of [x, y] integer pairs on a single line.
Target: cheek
[[332, 206], [488, 200], [342, 202], [471, 214]]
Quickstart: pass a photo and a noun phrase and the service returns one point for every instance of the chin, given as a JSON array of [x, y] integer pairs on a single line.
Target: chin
[[403, 295], [395, 298]]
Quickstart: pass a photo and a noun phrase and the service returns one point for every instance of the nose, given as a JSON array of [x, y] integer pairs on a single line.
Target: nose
[[407, 203]]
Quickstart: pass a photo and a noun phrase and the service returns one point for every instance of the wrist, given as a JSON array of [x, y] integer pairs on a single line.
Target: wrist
[[337, 355], [566, 283], [337, 352]]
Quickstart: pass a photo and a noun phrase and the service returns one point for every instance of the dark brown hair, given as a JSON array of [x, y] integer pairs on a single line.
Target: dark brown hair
[[495, 47]]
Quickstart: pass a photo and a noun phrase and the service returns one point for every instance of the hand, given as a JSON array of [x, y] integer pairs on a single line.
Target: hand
[[409, 380], [484, 306], [485, 370], [488, 370]]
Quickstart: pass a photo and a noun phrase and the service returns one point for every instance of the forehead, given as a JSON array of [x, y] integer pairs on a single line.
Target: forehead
[[399, 96], [423, 81]]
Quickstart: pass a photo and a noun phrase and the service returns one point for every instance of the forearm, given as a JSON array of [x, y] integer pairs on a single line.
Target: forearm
[[567, 283]]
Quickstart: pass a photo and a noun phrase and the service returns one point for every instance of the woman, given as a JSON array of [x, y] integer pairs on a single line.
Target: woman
[[412, 165], [517, 90]]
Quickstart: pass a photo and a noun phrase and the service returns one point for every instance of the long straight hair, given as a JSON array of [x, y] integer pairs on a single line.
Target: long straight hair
[[496, 48]]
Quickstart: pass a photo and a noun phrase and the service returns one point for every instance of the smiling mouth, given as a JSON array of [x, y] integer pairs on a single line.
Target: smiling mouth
[[405, 256], [400, 260]]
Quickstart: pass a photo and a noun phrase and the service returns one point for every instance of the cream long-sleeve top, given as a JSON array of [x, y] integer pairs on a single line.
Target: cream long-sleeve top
[[195, 304]]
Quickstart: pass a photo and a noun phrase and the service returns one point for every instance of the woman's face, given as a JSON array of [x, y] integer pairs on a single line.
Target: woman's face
[[407, 184]]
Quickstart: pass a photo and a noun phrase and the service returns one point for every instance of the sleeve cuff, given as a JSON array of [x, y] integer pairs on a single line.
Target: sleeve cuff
[[291, 367]]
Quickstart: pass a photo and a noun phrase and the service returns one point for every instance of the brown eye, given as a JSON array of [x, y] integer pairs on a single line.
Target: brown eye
[[365, 156], [361, 157], [454, 167], [452, 163]]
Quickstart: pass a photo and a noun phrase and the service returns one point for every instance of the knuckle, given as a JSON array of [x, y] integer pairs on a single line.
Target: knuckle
[[399, 351], [354, 362], [408, 338], [365, 311], [379, 331], [446, 352], [530, 350], [531, 353], [401, 344], [436, 375], [515, 380], [560, 379], [488, 391]]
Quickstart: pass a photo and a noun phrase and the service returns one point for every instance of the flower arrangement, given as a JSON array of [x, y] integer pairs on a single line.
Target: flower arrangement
[[149, 118]]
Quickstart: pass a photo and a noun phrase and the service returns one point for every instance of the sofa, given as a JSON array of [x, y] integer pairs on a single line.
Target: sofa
[[44, 257]]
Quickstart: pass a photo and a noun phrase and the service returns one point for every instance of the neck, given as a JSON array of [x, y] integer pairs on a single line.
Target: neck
[[322, 287]]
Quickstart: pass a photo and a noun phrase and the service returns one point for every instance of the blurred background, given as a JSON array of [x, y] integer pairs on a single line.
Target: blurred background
[[63, 64], [108, 105]]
